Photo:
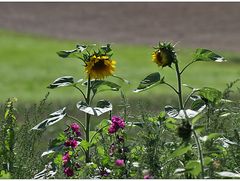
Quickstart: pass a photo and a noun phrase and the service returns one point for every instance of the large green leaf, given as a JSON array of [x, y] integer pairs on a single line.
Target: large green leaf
[[210, 94], [63, 82], [180, 151], [103, 85], [52, 119], [193, 167], [207, 55], [149, 82], [102, 106]]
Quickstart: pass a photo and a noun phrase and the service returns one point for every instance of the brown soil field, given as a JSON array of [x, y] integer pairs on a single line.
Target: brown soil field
[[200, 24]]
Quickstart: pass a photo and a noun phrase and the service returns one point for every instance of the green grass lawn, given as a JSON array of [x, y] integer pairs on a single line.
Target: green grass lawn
[[29, 63]]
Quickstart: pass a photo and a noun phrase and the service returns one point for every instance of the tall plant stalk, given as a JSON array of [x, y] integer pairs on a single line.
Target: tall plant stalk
[[181, 106], [87, 120]]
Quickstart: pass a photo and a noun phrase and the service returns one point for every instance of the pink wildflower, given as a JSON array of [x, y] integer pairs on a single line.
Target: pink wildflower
[[147, 177], [73, 143], [117, 123], [66, 158], [68, 171], [119, 163], [75, 127]]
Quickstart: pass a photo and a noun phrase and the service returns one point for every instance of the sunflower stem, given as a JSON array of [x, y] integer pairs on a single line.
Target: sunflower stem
[[179, 92], [87, 120]]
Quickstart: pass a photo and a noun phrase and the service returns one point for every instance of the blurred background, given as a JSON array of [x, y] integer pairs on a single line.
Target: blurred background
[[32, 33]]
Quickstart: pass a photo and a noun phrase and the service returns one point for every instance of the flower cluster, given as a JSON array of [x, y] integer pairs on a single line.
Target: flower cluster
[[69, 165], [117, 123]]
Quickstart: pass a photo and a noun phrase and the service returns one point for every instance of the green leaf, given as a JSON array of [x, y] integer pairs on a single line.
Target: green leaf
[[102, 107], [52, 119], [210, 94], [227, 174], [207, 55], [207, 160], [193, 167], [62, 82], [149, 82], [180, 151], [104, 123], [103, 85], [67, 53], [197, 104], [210, 137], [84, 144], [171, 124]]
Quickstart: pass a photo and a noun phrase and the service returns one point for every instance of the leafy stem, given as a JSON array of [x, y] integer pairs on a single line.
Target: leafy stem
[[81, 92], [199, 153], [189, 96], [179, 92], [87, 119], [98, 131], [190, 63], [169, 85]]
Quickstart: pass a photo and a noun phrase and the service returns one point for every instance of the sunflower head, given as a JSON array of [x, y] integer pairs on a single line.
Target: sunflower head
[[99, 66], [164, 55]]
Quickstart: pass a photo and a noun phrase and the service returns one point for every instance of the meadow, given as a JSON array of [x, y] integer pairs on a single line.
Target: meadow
[[149, 134]]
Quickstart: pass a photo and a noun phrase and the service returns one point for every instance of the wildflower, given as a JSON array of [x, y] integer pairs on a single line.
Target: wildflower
[[98, 67], [147, 177], [71, 142], [75, 127], [119, 163], [117, 123], [164, 55], [112, 129], [68, 171], [66, 158]]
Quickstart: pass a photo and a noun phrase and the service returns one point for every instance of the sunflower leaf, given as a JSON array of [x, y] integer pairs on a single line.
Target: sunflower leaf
[[103, 85], [210, 94], [149, 82], [207, 55], [63, 82], [102, 107], [52, 119]]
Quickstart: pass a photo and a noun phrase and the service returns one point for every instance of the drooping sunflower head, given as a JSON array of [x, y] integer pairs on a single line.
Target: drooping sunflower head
[[164, 55], [99, 66]]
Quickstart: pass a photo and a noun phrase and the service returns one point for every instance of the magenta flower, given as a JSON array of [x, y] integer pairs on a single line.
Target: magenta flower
[[117, 123], [75, 127], [119, 163], [68, 171], [73, 143], [147, 177], [66, 158]]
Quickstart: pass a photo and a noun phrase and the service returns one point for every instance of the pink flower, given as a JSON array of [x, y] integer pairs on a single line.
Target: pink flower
[[75, 127], [73, 143], [112, 129], [68, 171], [66, 158], [117, 123], [119, 163], [147, 177]]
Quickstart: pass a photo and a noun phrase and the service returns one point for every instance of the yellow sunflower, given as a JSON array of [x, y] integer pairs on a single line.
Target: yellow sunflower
[[160, 58], [99, 67], [164, 55]]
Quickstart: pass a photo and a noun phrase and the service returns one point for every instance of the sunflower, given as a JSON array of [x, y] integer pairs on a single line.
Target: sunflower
[[99, 67], [164, 55]]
